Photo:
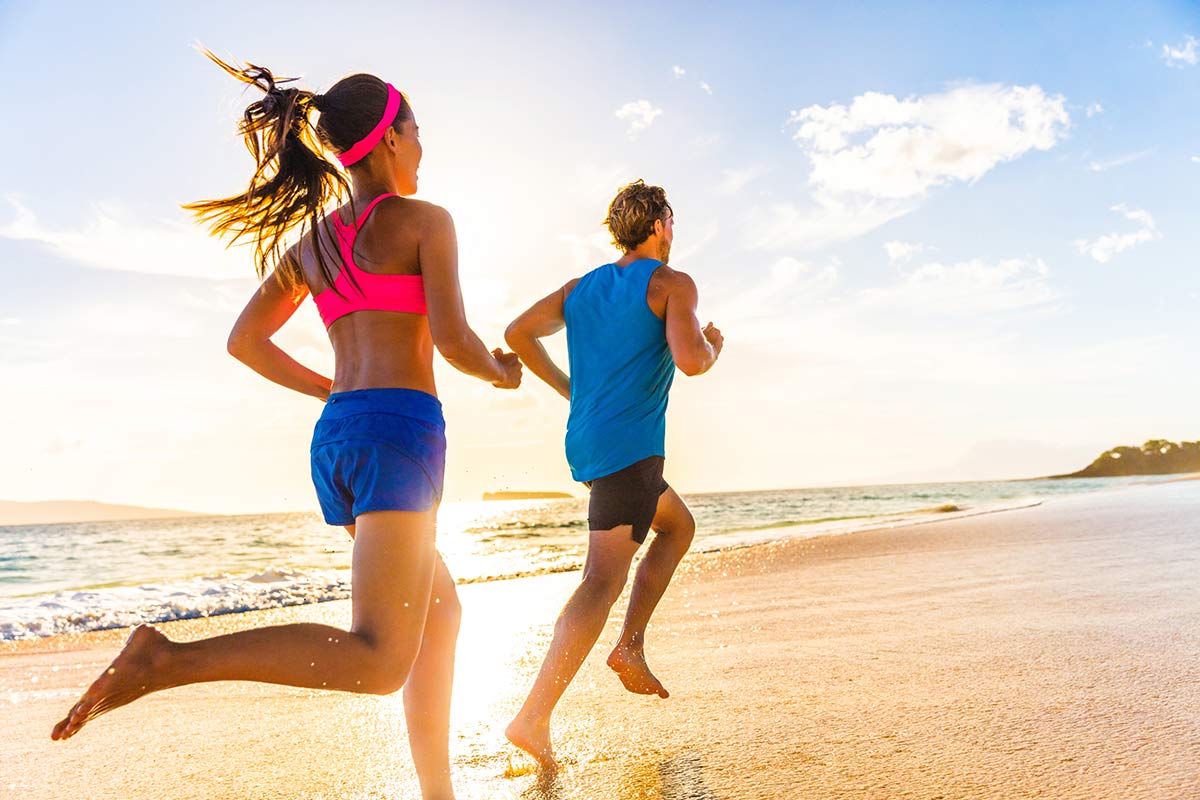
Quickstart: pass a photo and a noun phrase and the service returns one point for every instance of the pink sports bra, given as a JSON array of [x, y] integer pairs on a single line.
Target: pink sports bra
[[374, 291]]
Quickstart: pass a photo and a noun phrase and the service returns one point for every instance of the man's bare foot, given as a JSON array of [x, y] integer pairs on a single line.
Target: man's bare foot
[[533, 738], [130, 675], [630, 665]]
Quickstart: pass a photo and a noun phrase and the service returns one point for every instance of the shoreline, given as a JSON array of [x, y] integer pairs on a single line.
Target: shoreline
[[731, 539], [720, 541]]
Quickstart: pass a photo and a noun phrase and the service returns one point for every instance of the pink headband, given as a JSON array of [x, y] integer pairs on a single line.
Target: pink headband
[[366, 144]]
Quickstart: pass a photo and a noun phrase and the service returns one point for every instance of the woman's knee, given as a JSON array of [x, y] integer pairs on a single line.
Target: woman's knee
[[445, 610], [387, 663], [389, 672]]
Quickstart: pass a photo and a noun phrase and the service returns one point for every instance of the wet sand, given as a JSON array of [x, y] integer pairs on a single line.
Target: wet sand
[[1044, 652]]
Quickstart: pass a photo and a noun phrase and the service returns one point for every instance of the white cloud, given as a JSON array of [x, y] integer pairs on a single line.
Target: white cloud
[[112, 238], [1094, 109], [705, 87], [698, 241], [830, 220], [700, 146], [735, 180], [1196, 159], [796, 306], [967, 288], [882, 147], [678, 71], [1119, 161], [875, 159], [123, 320], [902, 251], [1183, 54], [759, 309], [590, 181], [588, 250], [1106, 247], [640, 113]]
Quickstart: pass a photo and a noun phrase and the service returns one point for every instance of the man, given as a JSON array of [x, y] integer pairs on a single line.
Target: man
[[629, 325]]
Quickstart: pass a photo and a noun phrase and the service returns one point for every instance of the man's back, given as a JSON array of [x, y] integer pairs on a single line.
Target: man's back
[[629, 326], [621, 371]]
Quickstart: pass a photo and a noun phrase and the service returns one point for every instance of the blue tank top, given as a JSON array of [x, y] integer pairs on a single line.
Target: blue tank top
[[621, 371]]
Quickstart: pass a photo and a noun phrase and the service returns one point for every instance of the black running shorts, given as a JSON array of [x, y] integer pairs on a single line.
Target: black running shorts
[[627, 497]]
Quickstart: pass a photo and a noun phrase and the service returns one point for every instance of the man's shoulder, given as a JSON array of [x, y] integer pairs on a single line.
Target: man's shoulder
[[668, 279], [570, 285]]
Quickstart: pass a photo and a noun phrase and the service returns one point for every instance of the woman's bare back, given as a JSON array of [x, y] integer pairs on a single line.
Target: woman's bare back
[[375, 349]]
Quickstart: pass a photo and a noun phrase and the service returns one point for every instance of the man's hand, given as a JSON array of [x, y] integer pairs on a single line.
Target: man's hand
[[714, 337]]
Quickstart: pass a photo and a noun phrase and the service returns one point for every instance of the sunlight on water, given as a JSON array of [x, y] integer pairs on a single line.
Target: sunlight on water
[[482, 540], [87, 576]]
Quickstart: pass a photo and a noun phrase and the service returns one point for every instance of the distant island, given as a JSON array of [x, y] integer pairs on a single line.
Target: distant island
[[527, 496], [64, 511], [1155, 457]]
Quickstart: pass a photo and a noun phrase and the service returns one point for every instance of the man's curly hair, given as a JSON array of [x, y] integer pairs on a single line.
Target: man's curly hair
[[632, 213]]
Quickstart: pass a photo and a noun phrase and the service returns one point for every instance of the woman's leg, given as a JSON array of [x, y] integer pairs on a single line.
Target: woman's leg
[[428, 688], [427, 691], [392, 572]]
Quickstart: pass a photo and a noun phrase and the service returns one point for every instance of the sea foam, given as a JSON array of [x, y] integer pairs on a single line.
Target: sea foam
[[121, 606]]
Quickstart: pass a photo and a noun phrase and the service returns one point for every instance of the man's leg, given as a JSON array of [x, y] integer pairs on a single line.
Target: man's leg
[[579, 626], [674, 528]]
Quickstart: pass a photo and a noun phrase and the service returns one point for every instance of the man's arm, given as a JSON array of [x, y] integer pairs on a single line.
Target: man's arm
[[543, 318], [693, 349]]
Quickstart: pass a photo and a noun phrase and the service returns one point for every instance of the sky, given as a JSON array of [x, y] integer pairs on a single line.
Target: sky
[[947, 241]]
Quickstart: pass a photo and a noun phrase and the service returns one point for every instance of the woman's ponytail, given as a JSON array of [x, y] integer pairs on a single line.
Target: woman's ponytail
[[293, 182]]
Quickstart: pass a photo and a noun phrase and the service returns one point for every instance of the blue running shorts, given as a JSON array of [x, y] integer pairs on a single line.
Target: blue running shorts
[[378, 450]]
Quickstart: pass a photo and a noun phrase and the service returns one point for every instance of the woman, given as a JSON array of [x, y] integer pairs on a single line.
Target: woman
[[383, 272]]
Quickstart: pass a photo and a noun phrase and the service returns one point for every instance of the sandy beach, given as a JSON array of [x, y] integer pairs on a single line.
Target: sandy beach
[[1047, 652]]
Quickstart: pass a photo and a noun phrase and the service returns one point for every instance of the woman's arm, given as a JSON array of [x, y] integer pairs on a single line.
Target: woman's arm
[[543, 318], [250, 340], [452, 335]]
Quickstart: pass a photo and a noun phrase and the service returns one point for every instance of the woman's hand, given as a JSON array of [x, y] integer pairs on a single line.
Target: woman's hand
[[511, 367]]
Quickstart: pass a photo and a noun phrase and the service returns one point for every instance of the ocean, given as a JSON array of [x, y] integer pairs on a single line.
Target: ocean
[[71, 578]]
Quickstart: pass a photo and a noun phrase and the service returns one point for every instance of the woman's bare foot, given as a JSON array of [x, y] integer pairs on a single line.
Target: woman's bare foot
[[133, 673], [533, 738], [630, 665]]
